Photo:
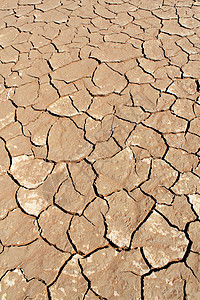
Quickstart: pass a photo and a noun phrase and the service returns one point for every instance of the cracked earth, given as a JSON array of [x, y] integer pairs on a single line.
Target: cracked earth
[[100, 148]]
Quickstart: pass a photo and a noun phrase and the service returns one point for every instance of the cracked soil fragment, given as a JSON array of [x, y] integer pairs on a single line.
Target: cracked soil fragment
[[161, 242], [66, 147], [30, 172]]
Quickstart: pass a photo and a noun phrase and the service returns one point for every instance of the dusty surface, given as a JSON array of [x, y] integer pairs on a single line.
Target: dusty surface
[[99, 149]]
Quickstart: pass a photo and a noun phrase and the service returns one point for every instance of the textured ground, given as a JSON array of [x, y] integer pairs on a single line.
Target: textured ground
[[100, 147]]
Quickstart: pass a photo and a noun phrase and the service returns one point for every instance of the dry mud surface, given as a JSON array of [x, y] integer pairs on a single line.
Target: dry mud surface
[[100, 147]]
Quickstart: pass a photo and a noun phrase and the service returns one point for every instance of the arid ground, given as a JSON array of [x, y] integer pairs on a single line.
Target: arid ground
[[100, 149]]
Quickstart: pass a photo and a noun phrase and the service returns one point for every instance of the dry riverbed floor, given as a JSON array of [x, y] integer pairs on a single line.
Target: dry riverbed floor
[[100, 148]]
